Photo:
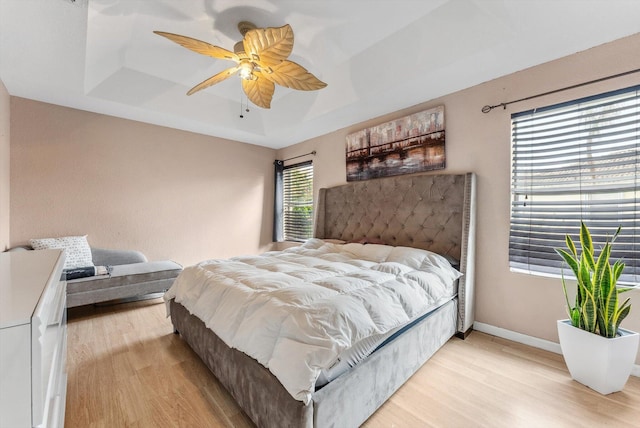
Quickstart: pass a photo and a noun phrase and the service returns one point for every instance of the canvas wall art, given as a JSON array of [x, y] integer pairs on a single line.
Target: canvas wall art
[[413, 143]]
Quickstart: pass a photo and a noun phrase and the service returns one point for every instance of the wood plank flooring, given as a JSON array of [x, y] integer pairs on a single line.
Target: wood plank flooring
[[127, 369]]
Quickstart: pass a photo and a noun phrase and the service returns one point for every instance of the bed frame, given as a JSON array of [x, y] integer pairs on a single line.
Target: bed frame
[[433, 212]]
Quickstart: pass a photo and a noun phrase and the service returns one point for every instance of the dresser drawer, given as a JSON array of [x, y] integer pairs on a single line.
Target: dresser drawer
[[49, 335], [33, 330]]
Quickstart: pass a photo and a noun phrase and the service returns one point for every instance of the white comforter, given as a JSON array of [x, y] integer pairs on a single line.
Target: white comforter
[[295, 311]]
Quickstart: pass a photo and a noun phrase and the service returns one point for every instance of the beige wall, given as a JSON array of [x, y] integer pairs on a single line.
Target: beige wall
[[4, 166], [481, 143], [169, 193]]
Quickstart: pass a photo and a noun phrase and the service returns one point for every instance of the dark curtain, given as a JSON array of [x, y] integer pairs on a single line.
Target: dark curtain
[[278, 228]]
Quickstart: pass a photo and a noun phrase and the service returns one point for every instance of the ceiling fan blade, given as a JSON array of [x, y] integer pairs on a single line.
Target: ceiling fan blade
[[292, 75], [259, 91], [270, 45], [200, 47], [225, 74]]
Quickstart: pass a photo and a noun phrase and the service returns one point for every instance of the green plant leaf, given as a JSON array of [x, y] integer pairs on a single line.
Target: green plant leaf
[[615, 235], [589, 313], [576, 319], [587, 246], [620, 315], [566, 296], [618, 267], [601, 288], [569, 259], [609, 293], [609, 300], [603, 327], [603, 260], [584, 274], [589, 260], [571, 246], [585, 238]]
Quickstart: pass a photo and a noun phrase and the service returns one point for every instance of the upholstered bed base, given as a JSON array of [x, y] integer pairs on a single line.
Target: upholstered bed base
[[346, 402]]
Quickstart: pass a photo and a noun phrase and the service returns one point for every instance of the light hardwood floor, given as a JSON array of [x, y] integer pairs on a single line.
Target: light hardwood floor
[[127, 369]]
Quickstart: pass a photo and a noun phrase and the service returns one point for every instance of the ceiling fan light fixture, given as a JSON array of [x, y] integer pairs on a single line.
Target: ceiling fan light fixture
[[246, 70]]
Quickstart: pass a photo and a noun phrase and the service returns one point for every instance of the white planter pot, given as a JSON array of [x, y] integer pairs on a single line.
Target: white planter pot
[[602, 364]]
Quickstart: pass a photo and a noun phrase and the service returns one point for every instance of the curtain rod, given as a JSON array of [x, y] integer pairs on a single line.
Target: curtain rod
[[488, 108], [296, 157]]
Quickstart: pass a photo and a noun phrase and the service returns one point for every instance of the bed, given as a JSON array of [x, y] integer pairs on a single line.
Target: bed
[[434, 212]]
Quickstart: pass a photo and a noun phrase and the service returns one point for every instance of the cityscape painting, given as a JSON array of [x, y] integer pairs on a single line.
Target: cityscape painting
[[414, 143]]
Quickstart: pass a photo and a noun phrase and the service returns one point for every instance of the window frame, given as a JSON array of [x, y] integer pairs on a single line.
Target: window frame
[[285, 204], [543, 141]]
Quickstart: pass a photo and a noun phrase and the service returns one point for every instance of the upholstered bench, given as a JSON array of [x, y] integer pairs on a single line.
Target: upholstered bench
[[132, 275]]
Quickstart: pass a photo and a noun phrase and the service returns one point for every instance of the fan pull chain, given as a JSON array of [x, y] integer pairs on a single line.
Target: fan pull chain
[[246, 108]]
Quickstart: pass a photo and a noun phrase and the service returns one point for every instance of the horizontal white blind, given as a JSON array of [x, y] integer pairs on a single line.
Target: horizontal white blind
[[298, 201], [571, 162]]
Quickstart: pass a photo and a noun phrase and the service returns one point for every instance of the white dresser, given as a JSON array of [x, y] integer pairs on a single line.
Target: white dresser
[[33, 339]]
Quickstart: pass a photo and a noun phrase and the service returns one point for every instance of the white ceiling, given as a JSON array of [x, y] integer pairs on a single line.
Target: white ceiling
[[376, 56]]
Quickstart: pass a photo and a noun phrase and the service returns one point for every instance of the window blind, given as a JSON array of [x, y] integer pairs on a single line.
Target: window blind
[[298, 202], [572, 162]]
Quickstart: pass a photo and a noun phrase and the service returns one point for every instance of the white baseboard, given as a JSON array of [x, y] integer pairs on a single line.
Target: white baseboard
[[547, 345]]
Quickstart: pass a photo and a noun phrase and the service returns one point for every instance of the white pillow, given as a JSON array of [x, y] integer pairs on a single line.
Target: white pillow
[[78, 249], [425, 260], [373, 252]]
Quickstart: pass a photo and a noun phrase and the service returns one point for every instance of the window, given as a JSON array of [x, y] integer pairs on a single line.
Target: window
[[294, 204], [571, 162]]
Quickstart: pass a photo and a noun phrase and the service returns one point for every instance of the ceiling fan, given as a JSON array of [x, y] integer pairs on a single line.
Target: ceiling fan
[[261, 61]]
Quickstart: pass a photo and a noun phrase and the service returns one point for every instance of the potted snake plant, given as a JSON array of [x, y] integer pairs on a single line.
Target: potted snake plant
[[598, 353]]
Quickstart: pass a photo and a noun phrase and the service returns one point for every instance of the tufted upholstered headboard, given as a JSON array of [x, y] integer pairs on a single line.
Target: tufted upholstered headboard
[[435, 212]]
